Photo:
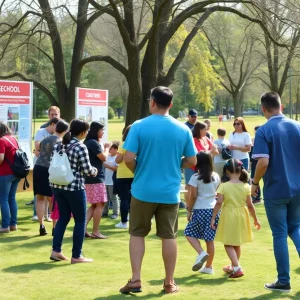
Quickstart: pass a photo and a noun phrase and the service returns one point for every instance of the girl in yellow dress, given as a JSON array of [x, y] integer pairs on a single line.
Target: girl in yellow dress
[[234, 227]]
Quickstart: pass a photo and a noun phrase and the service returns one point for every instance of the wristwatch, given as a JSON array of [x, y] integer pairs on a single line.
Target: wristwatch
[[255, 183]]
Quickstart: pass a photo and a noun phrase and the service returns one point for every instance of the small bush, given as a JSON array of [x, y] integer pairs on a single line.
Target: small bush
[[111, 113]]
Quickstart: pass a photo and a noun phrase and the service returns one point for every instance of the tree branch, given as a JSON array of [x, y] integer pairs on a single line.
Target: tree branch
[[107, 59], [169, 78]]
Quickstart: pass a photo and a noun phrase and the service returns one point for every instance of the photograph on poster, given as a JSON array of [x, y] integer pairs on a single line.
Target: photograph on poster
[[14, 127], [13, 113], [89, 114]]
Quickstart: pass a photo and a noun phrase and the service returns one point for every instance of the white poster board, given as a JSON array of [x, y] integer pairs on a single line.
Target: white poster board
[[92, 105], [16, 111]]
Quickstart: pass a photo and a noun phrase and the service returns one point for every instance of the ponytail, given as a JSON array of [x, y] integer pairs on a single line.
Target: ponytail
[[67, 138], [244, 176], [235, 166]]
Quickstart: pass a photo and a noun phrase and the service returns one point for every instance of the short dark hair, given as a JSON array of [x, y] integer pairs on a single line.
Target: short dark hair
[[162, 96], [77, 127], [4, 130], [52, 121], [221, 132], [115, 146], [198, 126], [93, 132], [270, 101], [61, 126]]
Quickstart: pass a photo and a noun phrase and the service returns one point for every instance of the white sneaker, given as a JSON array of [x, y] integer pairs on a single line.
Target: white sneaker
[[121, 225], [200, 260], [35, 218], [207, 270], [48, 219]]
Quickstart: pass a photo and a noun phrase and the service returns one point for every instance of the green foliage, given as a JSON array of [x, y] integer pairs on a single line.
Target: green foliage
[[111, 113], [199, 74], [116, 103]]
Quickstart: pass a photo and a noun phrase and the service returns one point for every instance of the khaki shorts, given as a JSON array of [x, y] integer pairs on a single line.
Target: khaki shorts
[[166, 218]]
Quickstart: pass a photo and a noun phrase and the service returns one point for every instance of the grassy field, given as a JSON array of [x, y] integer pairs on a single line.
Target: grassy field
[[27, 272]]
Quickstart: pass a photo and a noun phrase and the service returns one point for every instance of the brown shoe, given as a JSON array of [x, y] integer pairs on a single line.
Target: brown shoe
[[131, 287], [81, 259], [87, 235], [13, 228], [170, 288], [4, 230], [57, 256]]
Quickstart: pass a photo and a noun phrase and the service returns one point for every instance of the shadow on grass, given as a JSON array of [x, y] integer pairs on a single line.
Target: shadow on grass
[[297, 271], [140, 296], [41, 266], [193, 280], [274, 295]]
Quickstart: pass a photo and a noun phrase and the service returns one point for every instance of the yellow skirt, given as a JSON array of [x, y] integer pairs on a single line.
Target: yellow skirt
[[234, 226]]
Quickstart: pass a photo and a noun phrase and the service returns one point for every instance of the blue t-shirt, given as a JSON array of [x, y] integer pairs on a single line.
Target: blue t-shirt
[[279, 140], [159, 143]]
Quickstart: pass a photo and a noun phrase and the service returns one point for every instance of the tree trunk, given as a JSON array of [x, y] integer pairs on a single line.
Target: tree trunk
[[237, 104], [135, 87], [80, 36]]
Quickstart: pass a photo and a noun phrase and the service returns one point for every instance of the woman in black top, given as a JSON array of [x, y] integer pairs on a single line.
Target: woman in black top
[[95, 187]]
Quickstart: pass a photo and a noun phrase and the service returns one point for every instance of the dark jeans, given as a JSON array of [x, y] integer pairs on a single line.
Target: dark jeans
[[124, 192], [8, 203], [70, 202], [245, 162], [283, 216]]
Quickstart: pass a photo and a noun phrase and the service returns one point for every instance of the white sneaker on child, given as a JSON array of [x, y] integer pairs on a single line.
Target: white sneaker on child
[[200, 260], [207, 270], [35, 218], [121, 225]]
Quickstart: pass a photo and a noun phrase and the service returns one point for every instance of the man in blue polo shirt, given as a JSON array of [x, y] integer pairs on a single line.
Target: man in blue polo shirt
[[192, 119], [157, 147], [276, 147]]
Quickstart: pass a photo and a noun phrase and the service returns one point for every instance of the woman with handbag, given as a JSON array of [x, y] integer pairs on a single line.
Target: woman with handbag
[[71, 198], [8, 181], [41, 186]]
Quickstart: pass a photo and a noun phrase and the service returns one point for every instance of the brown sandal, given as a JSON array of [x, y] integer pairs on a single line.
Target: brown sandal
[[131, 287], [170, 288], [98, 236]]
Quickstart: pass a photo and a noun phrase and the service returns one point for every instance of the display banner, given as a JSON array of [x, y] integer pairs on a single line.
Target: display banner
[[16, 111], [92, 105]]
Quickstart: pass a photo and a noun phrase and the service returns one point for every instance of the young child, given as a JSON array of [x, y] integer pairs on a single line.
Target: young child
[[257, 199], [221, 142], [200, 207], [234, 227], [111, 167]]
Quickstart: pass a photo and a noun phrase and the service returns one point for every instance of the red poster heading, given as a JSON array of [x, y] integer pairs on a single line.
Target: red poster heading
[[12, 88], [14, 100], [92, 94]]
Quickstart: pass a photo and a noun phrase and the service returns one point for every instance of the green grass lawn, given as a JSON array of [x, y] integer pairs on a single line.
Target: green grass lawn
[[27, 272]]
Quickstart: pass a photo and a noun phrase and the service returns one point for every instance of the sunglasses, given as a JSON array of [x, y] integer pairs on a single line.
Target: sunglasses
[[236, 124], [194, 117]]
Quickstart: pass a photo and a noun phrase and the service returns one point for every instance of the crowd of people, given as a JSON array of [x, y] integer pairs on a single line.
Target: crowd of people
[[141, 178]]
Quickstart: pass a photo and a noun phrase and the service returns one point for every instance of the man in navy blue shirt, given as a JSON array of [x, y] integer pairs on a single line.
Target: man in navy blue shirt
[[192, 119], [276, 147]]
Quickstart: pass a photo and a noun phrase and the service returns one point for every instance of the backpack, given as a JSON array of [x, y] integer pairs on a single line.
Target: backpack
[[20, 167], [60, 172], [226, 153]]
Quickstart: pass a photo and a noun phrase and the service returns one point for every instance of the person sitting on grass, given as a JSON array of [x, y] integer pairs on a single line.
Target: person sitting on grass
[[234, 223]]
